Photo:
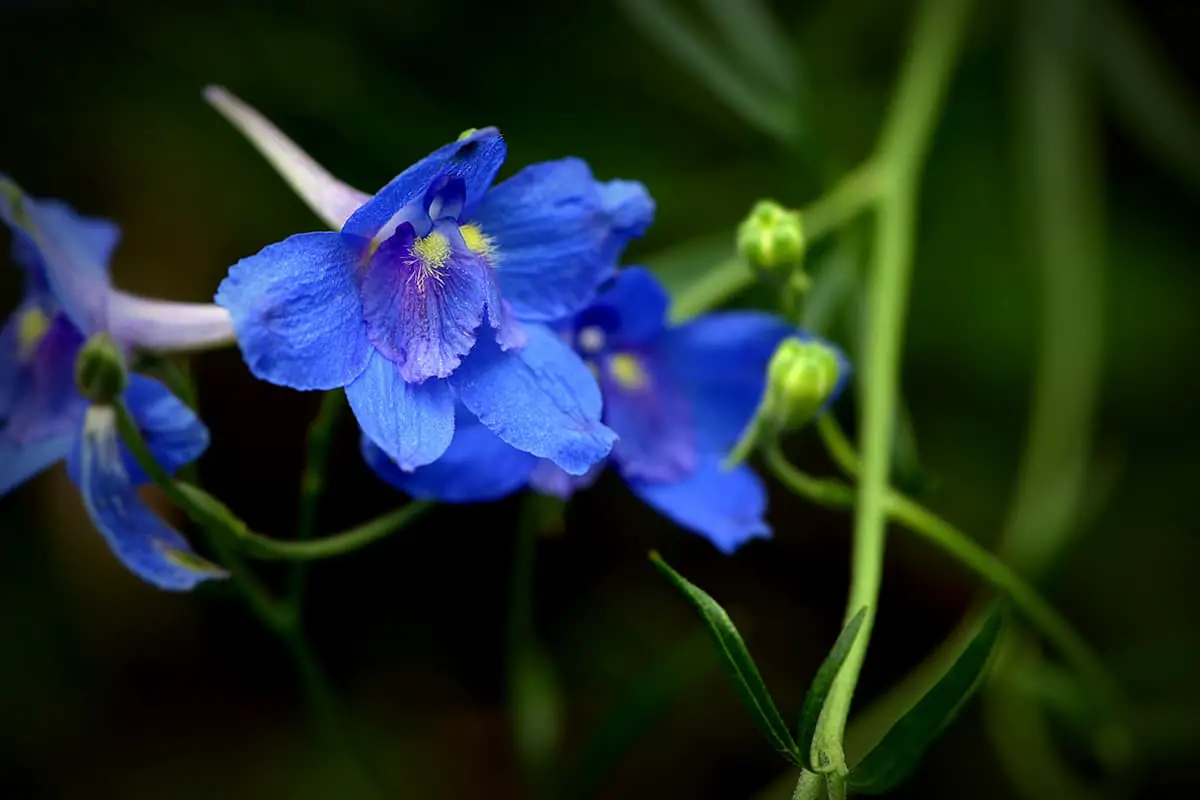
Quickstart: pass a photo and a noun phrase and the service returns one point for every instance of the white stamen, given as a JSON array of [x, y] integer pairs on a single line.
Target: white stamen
[[591, 339]]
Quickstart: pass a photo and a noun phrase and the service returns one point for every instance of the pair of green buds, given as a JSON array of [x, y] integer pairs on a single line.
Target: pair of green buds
[[805, 374]]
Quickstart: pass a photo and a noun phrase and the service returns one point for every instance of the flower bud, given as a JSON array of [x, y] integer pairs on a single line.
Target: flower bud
[[771, 239], [100, 370], [802, 378]]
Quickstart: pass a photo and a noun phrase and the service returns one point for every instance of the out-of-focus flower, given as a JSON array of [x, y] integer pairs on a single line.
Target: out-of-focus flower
[[677, 396], [44, 418]]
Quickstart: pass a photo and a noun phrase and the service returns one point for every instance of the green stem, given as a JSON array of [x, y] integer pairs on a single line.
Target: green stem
[[312, 484], [282, 620], [851, 196], [911, 515], [838, 445], [938, 34], [532, 696], [269, 611], [266, 548]]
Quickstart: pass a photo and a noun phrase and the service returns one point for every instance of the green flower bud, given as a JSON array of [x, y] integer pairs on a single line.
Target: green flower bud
[[100, 370], [771, 239], [801, 378]]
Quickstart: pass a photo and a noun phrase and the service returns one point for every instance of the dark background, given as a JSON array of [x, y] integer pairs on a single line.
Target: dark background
[[109, 688]]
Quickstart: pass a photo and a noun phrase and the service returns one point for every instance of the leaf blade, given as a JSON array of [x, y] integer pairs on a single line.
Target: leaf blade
[[902, 747], [818, 690], [737, 662]]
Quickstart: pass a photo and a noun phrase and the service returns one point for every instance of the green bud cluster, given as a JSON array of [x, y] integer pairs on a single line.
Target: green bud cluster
[[771, 239]]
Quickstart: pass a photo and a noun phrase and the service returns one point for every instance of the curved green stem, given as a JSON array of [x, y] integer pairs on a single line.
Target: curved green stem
[[936, 41], [312, 484], [911, 515], [274, 615], [838, 445], [266, 548]]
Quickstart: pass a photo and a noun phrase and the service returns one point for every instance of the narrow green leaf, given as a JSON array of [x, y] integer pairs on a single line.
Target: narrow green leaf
[[737, 662], [758, 39], [768, 112], [814, 699], [902, 747]]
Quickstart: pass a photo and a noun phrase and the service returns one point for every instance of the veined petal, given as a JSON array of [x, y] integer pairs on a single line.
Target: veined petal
[[476, 468], [167, 326], [724, 507], [330, 199], [541, 399], [423, 300], [720, 361], [475, 160], [73, 252], [650, 414], [412, 423], [148, 546], [549, 478], [556, 237], [20, 462], [297, 312]]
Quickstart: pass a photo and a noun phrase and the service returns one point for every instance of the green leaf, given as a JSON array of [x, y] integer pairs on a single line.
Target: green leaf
[[902, 747], [737, 662], [814, 700], [768, 111]]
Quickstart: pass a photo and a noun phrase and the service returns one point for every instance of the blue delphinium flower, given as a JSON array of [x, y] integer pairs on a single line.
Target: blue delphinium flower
[[44, 418], [678, 398], [436, 291]]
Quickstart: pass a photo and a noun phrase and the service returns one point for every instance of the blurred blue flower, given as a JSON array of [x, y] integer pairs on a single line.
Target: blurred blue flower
[[44, 418], [436, 290], [678, 398]]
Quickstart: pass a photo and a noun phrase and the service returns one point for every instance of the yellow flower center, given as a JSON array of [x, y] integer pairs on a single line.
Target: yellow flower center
[[628, 371], [478, 241], [31, 329]]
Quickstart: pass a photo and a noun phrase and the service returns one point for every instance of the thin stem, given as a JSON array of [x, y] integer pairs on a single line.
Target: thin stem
[[282, 620], [937, 37], [312, 484], [853, 194], [348, 541], [911, 515], [533, 702], [270, 612], [838, 444]]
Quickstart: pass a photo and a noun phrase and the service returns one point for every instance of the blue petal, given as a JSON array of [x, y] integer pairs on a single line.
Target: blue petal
[[173, 432], [645, 408], [629, 206], [556, 238], [71, 251], [549, 478], [724, 507], [631, 311], [541, 399], [423, 303], [149, 547], [477, 467], [20, 462], [297, 312], [475, 160], [720, 362], [39, 400], [412, 423]]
